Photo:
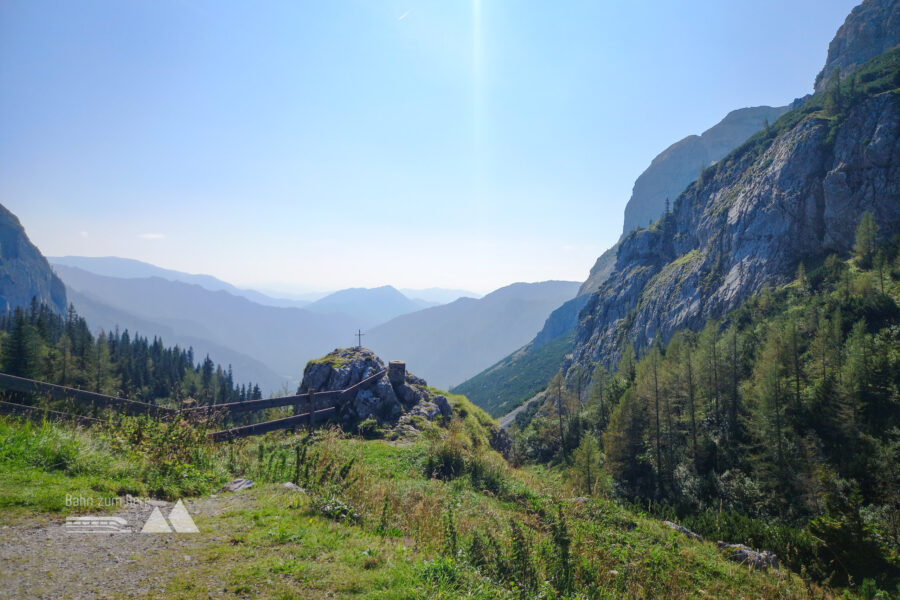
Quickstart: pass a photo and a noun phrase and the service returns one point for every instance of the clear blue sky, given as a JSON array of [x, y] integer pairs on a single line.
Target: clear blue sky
[[331, 144]]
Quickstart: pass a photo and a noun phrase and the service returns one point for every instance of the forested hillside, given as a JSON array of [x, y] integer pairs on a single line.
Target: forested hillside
[[778, 424]]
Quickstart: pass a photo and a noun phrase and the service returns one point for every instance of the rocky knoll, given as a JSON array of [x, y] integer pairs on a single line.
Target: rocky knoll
[[397, 399], [794, 192]]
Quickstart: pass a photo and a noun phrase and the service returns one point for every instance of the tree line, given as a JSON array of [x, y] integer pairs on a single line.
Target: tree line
[[38, 343]]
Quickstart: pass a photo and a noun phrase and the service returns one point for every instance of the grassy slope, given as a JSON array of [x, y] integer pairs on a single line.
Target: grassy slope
[[397, 543], [517, 377]]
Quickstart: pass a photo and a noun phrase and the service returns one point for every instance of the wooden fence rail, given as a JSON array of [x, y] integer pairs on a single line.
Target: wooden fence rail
[[59, 392], [37, 413], [318, 406], [320, 400], [295, 421]]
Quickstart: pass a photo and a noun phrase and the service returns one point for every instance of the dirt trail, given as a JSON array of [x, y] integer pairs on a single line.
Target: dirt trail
[[43, 558]]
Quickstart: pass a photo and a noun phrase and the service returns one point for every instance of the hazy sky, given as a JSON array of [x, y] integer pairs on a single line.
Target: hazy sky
[[331, 144]]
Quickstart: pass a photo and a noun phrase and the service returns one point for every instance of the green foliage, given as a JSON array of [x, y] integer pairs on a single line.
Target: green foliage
[[177, 458], [866, 242], [744, 428]]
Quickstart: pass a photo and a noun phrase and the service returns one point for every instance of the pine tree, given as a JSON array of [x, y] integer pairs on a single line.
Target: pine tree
[[866, 240], [20, 352], [586, 465]]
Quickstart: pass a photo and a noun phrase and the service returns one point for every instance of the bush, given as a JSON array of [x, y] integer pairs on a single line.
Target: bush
[[331, 506]]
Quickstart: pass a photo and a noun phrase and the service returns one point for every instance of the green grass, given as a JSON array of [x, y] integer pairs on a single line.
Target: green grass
[[274, 543], [41, 464]]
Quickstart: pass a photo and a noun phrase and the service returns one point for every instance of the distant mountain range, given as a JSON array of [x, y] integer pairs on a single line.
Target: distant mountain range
[[448, 344], [281, 338], [128, 268], [270, 344], [370, 306], [438, 295]]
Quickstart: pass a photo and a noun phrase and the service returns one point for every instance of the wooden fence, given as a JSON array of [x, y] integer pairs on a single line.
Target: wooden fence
[[318, 406]]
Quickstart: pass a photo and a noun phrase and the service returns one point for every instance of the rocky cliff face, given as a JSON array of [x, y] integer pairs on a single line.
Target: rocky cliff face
[[679, 164], [24, 272], [872, 28], [396, 401], [794, 192]]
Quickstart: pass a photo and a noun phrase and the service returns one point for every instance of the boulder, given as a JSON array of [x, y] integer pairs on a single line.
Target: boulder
[[684, 530], [238, 484], [741, 554], [443, 405]]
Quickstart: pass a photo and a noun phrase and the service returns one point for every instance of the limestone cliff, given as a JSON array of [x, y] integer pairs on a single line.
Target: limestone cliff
[[871, 28], [679, 164], [793, 192], [24, 272]]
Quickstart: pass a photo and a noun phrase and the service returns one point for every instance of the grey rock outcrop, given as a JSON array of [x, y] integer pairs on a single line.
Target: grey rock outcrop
[[870, 29], [747, 223], [682, 529], [743, 555], [24, 272], [678, 165], [602, 269], [391, 399]]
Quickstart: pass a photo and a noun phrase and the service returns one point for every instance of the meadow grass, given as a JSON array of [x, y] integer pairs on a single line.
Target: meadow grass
[[372, 523]]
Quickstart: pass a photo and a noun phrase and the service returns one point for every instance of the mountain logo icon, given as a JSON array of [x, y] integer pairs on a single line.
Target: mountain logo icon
[[181, 521]]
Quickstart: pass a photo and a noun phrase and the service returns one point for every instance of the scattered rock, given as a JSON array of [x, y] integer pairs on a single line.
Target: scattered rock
[[157, 503], [683, 530], [290, 485], [741, 554], [443, 405], [238, 484]]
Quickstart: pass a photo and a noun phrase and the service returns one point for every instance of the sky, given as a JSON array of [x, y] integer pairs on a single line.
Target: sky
[[291, 146]]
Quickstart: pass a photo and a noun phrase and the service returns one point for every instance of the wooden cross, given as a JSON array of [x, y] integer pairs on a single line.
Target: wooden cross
[[359, 335]]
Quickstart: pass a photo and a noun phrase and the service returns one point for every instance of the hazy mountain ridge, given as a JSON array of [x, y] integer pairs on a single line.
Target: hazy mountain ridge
[[281, 338], [438, 295], [370, 306], [24, 272], [452, 342], [102, 316], [129, 268]]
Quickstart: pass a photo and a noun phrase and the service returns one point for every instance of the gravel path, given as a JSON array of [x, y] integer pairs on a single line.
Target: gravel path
[[507, 419], [42, 558]]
